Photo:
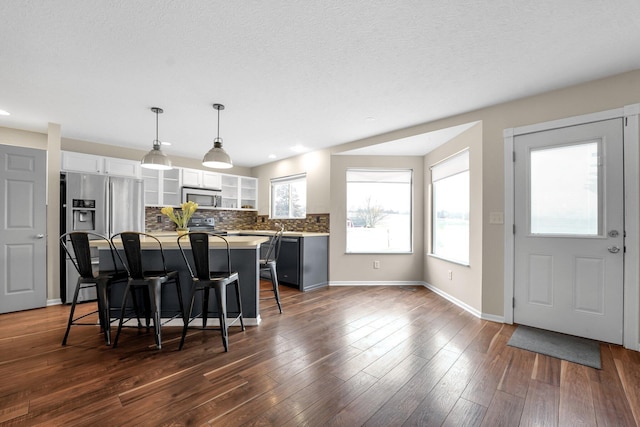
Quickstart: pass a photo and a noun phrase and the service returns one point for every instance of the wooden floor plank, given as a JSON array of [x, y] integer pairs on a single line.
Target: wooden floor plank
[[435, 407], [288, 408], [284, 391], [465, 413], [540, 405], [365, 405], [515, 379], [487, 378], [371, 355], [628, 369], [576, 402], [328, 405], [609, 398], [546, 369], [505, 410], [396, 410]]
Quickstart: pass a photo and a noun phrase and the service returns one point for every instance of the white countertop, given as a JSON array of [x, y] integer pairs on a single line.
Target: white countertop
[[169, 241]]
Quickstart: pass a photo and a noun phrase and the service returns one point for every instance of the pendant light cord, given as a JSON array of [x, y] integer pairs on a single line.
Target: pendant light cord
[[156, 142]]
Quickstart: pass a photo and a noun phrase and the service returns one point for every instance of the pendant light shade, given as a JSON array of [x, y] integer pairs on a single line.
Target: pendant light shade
[[216, 157], [156, 159]]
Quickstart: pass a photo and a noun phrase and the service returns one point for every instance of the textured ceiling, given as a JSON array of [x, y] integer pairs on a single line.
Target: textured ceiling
[[310, 73]]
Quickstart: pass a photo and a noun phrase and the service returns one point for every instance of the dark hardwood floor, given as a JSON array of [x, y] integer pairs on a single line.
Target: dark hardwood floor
[[343, 356]]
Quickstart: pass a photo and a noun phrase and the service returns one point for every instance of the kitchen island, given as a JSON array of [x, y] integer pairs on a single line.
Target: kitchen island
[[303, 262], [245, 258]]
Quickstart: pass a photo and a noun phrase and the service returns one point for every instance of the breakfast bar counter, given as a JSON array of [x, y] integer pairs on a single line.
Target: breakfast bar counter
[[245, 258]]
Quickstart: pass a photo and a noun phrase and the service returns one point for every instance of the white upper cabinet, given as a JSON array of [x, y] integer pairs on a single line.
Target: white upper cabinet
[[201, 179], [248, 192], [211, 180], [191, 178], [171, 190], [152, 183], [122, 167], [239, 192], [161, 188], [80, 162]]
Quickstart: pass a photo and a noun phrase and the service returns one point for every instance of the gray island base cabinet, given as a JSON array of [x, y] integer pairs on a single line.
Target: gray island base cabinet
[[303, 262], [244, 259]]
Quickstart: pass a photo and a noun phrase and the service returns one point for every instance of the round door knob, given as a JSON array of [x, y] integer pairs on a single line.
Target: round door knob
[[613, 249], [39, 236]]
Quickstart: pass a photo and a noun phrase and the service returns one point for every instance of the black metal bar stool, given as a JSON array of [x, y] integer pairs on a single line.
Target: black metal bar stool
[[203, 279], [77, 246], [152, 280], [269, 263]]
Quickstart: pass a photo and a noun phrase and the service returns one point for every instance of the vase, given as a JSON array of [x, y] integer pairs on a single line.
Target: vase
[[182, 231]]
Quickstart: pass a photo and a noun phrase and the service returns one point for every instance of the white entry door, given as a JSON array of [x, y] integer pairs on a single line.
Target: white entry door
[[23, 282], [569, 230]]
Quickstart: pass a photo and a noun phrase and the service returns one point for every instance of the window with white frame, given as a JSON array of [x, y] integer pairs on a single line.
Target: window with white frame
[[379, 210], [289, 197], [450, 208]]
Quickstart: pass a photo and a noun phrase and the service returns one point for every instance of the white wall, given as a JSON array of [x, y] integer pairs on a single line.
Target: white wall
[[359, 267], [315, 164], [600, 95]]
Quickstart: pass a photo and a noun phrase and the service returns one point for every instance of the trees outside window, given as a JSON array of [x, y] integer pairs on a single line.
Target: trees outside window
[[289, 197], [379, 211]]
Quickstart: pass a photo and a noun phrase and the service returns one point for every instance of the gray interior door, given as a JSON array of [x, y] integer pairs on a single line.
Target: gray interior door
[[23, 283]]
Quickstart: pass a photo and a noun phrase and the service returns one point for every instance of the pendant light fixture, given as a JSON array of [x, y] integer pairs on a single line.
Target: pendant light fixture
[[217, 157], [156, 159]]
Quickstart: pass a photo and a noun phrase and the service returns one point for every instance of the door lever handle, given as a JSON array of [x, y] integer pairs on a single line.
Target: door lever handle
[[613, 249]]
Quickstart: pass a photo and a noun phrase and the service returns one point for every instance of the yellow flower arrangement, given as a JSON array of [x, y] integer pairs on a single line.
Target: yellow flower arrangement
[[181, 218]]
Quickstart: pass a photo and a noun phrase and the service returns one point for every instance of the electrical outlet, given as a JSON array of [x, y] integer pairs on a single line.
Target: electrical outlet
[[450, 274], [376, 264]]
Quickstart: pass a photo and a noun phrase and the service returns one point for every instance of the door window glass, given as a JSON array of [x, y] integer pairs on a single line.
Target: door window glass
[[565, 190]]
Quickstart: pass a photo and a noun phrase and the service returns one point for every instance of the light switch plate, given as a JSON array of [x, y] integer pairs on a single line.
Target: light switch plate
[[496, 217]]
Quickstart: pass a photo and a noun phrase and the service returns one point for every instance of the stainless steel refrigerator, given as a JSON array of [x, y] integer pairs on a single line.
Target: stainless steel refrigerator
[[100, 204]]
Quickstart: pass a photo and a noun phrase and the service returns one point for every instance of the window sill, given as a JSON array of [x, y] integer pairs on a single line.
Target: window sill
[[378, 253], [449, 260]]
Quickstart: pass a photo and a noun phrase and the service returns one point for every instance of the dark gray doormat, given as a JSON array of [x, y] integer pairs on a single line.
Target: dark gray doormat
[[554, 344]]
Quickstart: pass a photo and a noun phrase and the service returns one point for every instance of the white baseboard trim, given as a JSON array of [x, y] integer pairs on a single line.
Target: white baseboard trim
[[463, 305], [492, 318], [372, 283], [440, 292], [56, 301]]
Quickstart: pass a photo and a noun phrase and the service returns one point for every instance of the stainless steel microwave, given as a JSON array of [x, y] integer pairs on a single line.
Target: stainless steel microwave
[[204, 197]]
